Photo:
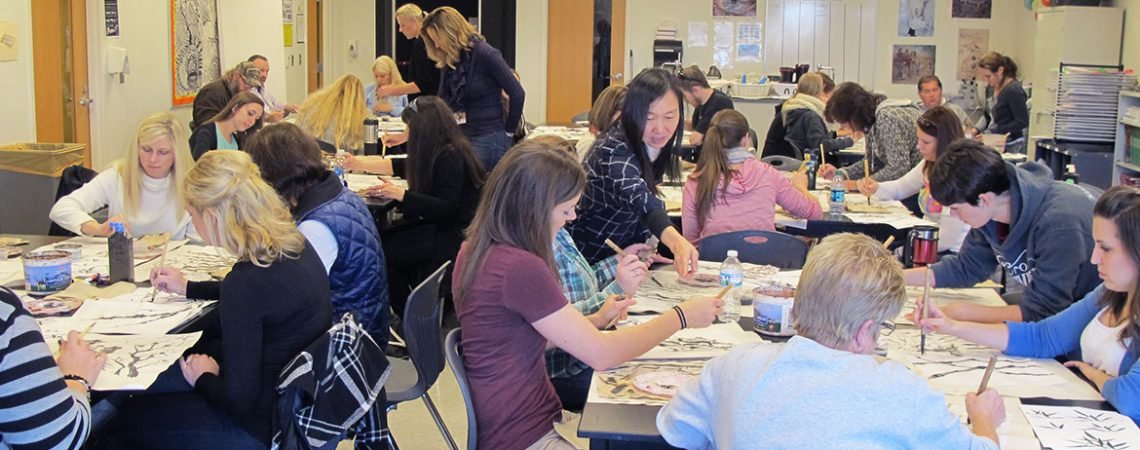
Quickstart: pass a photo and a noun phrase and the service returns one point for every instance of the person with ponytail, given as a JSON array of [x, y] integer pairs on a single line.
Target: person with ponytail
[[274, 302], [622, 171], [938, 127], [732, 191], [1103, 326], [1006, 111]]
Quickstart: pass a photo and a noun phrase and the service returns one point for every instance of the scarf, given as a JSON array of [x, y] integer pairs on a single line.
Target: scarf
[[737, 155]]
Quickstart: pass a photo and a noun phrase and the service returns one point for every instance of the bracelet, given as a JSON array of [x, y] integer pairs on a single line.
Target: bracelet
[[681, 315], [81, 380]]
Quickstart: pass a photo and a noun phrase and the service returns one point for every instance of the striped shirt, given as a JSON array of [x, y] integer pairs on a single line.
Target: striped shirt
[[37, 410], [587, 288]]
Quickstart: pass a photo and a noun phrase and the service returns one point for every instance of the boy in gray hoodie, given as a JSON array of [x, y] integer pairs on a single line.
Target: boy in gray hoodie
[[1038, 229]]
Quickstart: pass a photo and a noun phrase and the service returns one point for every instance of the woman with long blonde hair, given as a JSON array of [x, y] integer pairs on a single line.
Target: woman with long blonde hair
[[335, 114], [385, 72], [473, 76], [274, 302], [143, 190]]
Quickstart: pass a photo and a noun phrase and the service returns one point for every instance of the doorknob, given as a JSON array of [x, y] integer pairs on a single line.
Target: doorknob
[[85, 100]]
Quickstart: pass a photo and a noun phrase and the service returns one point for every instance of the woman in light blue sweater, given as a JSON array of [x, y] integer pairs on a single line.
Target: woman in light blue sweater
[[1103, 325]]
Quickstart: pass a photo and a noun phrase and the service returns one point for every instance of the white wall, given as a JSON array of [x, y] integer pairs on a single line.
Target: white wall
[[348, 21], [531, 19], [18, 114], [1131, 48]]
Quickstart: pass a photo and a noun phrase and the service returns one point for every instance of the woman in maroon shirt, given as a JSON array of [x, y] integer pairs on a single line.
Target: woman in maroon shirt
[[510, 303]]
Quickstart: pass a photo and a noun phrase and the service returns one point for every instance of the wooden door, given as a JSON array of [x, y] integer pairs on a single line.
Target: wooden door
[[571, 52], [617, 44], [313, 43], [59, 35]]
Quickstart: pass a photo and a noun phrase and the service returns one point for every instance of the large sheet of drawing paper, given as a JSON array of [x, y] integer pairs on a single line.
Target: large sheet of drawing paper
[[133, 317], [135, 361], [643, 382], [941, 297], [701, 343], [1067, 427], [198, 263], [662, 288]]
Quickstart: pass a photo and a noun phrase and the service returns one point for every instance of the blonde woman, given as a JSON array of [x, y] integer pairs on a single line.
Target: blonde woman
[[224, 399], [142, 190], [385, 73], [424, 75], [335, 114], [473, 76]]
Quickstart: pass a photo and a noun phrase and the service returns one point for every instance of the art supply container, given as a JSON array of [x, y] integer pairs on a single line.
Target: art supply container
[[47, 271], [772, 305], [924, 245]]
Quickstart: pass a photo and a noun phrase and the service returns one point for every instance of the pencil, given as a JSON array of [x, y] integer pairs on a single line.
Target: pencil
[[887, 243], [986, 376], [925, 302], [866, 175], [161, 261], [614, 246], [383, 148]]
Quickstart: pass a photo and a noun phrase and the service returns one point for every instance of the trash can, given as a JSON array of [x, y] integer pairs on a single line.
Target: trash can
[[29, 177]]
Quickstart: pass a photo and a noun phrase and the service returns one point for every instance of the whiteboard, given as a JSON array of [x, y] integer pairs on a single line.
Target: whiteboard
[[835, 33]]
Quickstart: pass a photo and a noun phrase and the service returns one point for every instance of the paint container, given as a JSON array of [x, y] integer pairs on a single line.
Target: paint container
[[772, 307], [47, 271]]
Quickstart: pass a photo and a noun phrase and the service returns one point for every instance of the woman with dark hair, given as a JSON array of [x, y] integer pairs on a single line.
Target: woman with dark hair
[[887, 125], [622, 171], [1006, 111], [511, 305], [224, 130], [733, 191], [444, 177], [1103, 326], [938, 127], [333, 219]]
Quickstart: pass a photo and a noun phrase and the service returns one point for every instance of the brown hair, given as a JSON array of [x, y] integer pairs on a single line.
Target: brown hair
[[515, 207], [554, 142], [289, 159], [928, 78], [607, 108], [447, 34], [691, 77], [727, 129], [993, 61], [810, 84], [239, 100], [944, 125], [828, 83], [1121, 205], [854, 105]]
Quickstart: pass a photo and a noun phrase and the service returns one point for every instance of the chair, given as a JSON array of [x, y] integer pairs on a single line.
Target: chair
[[412, 379], [73, 178], [582, 117], [754, 138], [756, 247], [782, 163], [453, 349], [326, 146]]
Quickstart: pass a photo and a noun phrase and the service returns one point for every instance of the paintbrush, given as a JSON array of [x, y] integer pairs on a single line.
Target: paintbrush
[[82, 334], [615, 247], [887, 243], [161, 261], [925, 302], [613, 321], [723, 291], [986, 376], [866, 175], [822, 157], [383, 147]]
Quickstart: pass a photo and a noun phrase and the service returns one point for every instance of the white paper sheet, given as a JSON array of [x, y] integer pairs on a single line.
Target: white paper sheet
[[196, 262], [748, 33], [1064, 427], [722, 34], [636, 382], [701, 343], [134, 361], [698, 35], [1014, 433], [112, 317]]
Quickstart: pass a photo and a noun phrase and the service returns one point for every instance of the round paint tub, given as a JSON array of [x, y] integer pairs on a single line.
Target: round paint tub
[[47, 271]]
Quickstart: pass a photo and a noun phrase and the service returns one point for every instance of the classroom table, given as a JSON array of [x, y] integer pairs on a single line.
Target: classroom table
[[383, 210], [630, 425]]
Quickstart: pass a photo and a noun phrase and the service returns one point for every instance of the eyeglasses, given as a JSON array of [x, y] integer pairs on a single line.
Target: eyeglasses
[[886, 327]]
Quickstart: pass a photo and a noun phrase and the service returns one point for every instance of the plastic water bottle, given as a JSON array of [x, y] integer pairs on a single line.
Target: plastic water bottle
[[837, 201], [121, 254], [731, 274], [338, 168]]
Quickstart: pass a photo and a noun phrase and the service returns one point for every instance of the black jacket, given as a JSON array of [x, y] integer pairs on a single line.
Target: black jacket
[[205, 138]]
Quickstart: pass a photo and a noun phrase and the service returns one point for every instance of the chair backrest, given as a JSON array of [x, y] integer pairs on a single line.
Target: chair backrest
[[757, 247], [782, 163], [422, 328], [581, 117], [453, 349], [754, 138], [73, 178], [326, 147]]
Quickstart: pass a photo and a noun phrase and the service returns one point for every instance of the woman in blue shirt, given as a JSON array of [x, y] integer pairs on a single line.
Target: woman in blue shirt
[[1102, 326], [385, 73], [224, 130]]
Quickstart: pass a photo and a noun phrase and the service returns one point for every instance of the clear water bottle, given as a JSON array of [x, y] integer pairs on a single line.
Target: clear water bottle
[[731, 274], [837, 200], [338, 168]]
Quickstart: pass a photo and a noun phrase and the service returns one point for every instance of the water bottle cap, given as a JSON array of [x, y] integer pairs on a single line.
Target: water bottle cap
[[732, 253], [118, 227]]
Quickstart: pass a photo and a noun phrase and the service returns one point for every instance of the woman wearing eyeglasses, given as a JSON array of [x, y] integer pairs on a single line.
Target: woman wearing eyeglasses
[[938, 127]]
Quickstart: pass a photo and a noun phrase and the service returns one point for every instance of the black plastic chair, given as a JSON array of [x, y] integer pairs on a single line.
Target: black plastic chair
[[326, 146], [782, 163], [412, 379], [73, 178], [453, 349], [581, 117], [757, 247]]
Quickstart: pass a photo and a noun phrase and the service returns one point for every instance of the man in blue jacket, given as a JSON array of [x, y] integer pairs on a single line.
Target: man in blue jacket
[[1038, 229]]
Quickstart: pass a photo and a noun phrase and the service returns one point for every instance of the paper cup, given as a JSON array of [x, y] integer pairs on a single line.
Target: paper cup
[[772, 307]]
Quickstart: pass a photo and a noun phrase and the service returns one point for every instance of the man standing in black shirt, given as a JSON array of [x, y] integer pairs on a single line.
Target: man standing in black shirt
[[423, 76], [706, 101]]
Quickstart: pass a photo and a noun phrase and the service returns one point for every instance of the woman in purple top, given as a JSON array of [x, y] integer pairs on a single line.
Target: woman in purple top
[[473, 75], [510, 303]]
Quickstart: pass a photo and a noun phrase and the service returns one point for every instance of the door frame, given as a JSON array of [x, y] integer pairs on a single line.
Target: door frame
[[58, 49]]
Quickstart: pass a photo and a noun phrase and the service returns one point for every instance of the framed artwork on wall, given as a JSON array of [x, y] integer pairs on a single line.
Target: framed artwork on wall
[[194, 54]]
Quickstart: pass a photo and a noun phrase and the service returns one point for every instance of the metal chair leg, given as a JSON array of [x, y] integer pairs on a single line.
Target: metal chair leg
[[439, 422]]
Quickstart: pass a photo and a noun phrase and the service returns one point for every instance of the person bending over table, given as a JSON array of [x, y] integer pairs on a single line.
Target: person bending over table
[[225, 130], [335, 114], [706, 101], [333, 219], [142, 190], [1006, 111], [803, 119], [622, 171], [604, 114], [510, 303], [473, 75], [422, 73], [776, 142], [274, 303], [1102, 326], [732, 191], [444, 177], [938, 127], [889, 132], [1037, 229], [47, 402], [825, 388]]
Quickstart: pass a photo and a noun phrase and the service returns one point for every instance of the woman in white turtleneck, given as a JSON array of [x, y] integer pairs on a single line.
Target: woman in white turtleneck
[[142, 190]]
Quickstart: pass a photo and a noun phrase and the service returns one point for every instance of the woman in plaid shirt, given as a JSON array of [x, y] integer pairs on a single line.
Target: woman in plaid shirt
[[622, 170]]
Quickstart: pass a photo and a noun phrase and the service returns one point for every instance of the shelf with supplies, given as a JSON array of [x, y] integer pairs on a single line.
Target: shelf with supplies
[[1128, 165], [1126, 149]]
